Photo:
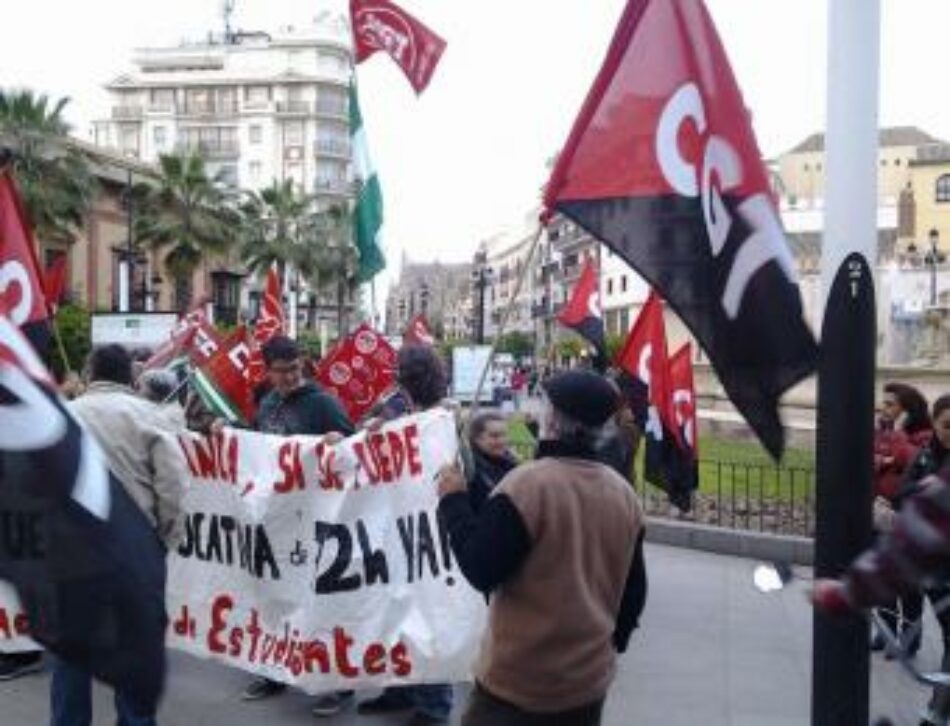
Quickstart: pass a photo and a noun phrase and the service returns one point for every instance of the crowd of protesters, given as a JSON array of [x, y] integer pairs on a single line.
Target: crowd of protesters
[[523, 532]]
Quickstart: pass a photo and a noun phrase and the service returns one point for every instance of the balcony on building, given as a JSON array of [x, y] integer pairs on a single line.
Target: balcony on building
[[127, 113], [334, 187], [294, 108], [333, 108], [219, 107], [211, 149], [332, 147]]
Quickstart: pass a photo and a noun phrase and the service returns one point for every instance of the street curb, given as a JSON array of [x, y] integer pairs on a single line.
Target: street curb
[[733, 542]]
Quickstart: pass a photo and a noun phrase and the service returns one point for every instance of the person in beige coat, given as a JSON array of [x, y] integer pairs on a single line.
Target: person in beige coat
[[136, 438]]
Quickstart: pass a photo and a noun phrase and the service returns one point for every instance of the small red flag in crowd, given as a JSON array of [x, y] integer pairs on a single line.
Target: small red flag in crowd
[[583, 312], [383, 25], [194, 338], [54, 282], [418, 332], [359, 371], [223, 380], [270, 322]]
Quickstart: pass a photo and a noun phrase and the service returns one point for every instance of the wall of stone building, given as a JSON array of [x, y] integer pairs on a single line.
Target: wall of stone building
[[930, 214]]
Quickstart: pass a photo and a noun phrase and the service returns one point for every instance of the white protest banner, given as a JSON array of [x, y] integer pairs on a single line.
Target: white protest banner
[[323, 566], [14, 629]]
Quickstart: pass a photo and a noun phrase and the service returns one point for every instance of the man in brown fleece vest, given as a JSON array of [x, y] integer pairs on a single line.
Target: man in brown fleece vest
[[559, 548]]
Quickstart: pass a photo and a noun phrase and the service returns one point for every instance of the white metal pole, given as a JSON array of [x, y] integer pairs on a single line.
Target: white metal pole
[[854, 28], [125, 285]]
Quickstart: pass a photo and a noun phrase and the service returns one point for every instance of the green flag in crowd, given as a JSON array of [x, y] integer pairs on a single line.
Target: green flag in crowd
[[368, 214]]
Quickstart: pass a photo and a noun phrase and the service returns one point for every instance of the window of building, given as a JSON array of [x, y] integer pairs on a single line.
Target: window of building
[[256, 133], [162, 99], [293, 133], [254, 168], [129, 139], [160, 137], [610, 286], [623, 283], [943, 188], [817, 167], [883, 162], [807, 167], [897, 162]]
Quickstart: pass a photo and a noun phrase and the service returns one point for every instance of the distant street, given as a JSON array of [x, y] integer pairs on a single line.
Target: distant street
[[711, 650]]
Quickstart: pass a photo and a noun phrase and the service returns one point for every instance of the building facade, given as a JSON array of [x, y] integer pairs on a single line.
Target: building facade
[[440, 291], [257, 106]]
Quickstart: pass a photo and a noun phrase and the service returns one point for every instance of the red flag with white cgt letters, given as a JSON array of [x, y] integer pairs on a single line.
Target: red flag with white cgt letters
[[663, 167]]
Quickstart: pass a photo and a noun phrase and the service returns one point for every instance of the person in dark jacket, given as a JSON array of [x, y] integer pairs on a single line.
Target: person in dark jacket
[[491, 457], [423, 383], [295, 405], [904, 427], [932, 458], [564, 523]]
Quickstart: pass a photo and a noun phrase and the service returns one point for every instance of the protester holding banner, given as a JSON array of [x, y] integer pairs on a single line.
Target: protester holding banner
[[564, 523], [145, 459], [296, 405], [422, 385]]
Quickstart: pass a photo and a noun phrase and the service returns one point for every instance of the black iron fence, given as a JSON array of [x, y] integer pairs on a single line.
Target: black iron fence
[[752, 496], [742, 495]]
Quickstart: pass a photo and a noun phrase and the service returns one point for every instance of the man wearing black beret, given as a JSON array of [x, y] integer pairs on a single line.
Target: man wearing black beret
[[558, 547]]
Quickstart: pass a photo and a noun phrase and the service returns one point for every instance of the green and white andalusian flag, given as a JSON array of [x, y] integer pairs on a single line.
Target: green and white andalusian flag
[[368, 214]]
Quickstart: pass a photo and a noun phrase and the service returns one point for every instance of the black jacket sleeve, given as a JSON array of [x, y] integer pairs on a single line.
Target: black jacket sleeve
[[634, 598], [490, 546]]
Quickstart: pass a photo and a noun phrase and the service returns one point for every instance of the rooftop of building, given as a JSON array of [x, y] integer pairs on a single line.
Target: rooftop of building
[[888, 137]]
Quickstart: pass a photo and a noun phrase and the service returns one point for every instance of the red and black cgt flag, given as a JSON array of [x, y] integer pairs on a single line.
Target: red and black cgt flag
[[583, 313], [86, 564], [672, 463], [663, 167], [22, 295], [644, 358]]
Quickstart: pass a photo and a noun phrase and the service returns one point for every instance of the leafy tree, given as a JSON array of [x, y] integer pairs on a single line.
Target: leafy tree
[[75, 330], [518, 344], [53, 176], [185, 216]]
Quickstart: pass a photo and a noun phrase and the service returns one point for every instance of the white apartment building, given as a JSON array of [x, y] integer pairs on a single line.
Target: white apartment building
[[503, 257], [258, 106]]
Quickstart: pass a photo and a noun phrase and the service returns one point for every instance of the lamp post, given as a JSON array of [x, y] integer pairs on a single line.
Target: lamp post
[[481, 278], [934, 258]]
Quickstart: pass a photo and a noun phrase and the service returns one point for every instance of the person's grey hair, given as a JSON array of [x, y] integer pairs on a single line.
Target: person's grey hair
[[158, 385], [568, 430]]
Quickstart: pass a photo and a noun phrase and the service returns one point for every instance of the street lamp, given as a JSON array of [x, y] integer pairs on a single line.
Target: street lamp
[[934, 258], [481, 278]]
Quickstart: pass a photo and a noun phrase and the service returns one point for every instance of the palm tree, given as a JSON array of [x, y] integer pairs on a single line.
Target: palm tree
[[186, 216], [54, 177], [282, 226]]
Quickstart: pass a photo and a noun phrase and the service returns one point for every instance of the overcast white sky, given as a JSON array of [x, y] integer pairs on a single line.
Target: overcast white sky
[[467, 158]]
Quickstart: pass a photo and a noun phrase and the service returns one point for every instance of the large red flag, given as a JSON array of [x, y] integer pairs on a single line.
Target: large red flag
[[418, 332], [54, 282], [662, 166], [21, 289], [583, 312], [270, 322], [383, 25]]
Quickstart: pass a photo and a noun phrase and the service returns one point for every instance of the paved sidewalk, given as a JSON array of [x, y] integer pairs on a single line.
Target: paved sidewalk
[[711, 651]]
